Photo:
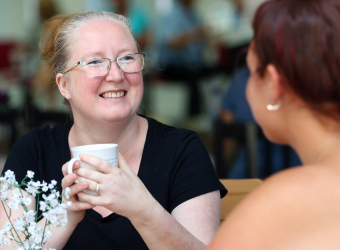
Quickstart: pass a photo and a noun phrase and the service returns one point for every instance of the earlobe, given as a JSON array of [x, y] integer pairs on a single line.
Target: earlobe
[[63, 86]]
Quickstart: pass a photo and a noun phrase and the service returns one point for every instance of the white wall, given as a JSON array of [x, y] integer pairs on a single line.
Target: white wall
[[18, 16], [11, 19]]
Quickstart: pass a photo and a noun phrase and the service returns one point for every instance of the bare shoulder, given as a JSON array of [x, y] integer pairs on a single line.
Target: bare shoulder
[[295, 207]]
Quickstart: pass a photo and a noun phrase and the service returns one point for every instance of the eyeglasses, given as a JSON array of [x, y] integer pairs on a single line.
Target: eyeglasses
[[97, 67]]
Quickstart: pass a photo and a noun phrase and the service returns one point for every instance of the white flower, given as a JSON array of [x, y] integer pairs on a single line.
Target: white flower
[[9, 178], [51, 216], [7, 241], [48, 233], [54, 212], [30, 174], [42, 206], [27, 201], [9, 174], [7, 227], [19, 224], [3, 192], [54, 203], [29, 216], [14, 204], [17, 247], [33, 188], [16, 194]]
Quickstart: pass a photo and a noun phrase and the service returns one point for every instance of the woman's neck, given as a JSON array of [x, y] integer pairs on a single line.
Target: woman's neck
[[124, 133], [315, 139]]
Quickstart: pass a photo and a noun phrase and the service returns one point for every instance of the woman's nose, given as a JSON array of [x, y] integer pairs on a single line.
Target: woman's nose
[[115, 73]]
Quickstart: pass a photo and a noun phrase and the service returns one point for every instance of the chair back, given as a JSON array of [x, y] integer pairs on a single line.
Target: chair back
[[238, 189], [247, 134]]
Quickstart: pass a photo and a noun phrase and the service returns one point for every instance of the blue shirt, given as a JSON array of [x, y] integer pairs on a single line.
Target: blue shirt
[[177, 22], [235, 99]]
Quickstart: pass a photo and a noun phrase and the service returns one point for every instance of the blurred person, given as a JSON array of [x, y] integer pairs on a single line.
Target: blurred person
[[139, 20], [294, 93], [43, 93], [164, 193], [180, 39], [236, 38]]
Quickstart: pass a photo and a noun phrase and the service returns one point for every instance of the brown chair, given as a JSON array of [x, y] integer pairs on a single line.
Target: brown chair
[[237, 190]]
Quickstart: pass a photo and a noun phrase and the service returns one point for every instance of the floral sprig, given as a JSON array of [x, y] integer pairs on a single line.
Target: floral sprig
[[25, 230]]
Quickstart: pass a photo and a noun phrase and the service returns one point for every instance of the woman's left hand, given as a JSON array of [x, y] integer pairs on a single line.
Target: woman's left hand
[[120, 190]]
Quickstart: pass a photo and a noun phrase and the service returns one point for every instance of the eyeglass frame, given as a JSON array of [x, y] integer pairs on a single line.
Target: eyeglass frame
[[111, 60]]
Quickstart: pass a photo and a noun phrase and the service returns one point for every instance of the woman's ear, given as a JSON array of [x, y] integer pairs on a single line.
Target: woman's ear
[[276, 88], [63, 86]]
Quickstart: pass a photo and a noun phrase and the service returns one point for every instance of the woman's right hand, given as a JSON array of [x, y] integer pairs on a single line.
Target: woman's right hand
[[76, 211]]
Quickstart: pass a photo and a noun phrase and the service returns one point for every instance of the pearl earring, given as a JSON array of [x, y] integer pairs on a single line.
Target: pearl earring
[[274, 107]]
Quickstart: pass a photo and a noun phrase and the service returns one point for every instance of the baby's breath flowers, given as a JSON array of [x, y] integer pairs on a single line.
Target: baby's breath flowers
[[24, 230]]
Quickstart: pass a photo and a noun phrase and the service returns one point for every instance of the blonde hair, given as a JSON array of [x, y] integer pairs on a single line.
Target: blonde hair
[[56, 39]]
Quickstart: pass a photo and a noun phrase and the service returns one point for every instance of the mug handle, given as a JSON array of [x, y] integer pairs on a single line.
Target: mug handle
[[70, 166]]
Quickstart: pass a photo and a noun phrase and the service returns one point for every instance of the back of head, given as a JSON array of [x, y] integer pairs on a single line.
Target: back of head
[[57, 38], [301, 39]]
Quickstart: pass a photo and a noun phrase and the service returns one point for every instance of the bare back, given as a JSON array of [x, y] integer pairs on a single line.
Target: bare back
[[295, 209]]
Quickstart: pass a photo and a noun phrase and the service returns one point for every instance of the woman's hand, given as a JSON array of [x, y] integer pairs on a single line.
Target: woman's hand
[[120, 190], [76, 211]]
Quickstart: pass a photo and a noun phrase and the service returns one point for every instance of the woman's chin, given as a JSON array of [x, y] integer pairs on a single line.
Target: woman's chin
[[275, 137], [117, 116]]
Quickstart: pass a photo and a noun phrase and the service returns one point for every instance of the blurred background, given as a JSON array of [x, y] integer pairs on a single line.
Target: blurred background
[[195, 78]]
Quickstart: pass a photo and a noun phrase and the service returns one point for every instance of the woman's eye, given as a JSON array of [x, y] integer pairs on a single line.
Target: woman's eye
[[127, 58], [94, 62]]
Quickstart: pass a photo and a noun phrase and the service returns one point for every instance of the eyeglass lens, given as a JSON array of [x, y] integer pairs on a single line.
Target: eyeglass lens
[[100, 66]]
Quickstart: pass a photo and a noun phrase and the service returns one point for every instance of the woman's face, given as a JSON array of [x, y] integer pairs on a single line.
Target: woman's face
[[108, 39], [258, 93]]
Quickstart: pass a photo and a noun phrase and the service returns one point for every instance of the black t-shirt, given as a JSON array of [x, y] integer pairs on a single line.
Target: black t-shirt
[[175, 167]]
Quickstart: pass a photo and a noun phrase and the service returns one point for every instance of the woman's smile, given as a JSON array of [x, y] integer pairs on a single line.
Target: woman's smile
[[113, 94]]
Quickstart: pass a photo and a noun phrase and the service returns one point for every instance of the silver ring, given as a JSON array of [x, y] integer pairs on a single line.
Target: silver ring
[[97, 188]]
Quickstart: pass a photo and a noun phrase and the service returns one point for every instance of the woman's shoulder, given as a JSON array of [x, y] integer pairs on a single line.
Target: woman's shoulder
[[307, 180], [46, 134], [299, 201], [301, 187], [163, 130]]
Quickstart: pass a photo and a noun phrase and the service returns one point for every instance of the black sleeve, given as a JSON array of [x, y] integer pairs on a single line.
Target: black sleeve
[[23, 157], [193, 173], [43, 151]]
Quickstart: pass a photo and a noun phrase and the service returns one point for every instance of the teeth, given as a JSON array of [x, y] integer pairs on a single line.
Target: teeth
[[113, 95]]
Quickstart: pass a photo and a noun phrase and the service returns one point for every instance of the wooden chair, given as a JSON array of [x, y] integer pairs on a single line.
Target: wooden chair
[[237, 190]]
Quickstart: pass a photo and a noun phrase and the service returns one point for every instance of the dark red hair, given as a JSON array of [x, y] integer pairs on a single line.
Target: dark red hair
[[301, 38]]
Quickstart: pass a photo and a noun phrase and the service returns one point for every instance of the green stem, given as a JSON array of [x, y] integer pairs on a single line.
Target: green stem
[[42, 239], [25, 208], [2, 203], [37, 209]]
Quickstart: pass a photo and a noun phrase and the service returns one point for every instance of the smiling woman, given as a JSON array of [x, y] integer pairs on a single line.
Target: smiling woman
[[164, 193]]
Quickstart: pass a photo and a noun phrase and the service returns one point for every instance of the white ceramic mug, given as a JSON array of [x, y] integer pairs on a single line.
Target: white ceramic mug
[[106, 152]]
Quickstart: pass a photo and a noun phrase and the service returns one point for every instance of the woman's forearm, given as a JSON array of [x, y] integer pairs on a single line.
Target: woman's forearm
[[160, 230], [57, 241], [60, 235]]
